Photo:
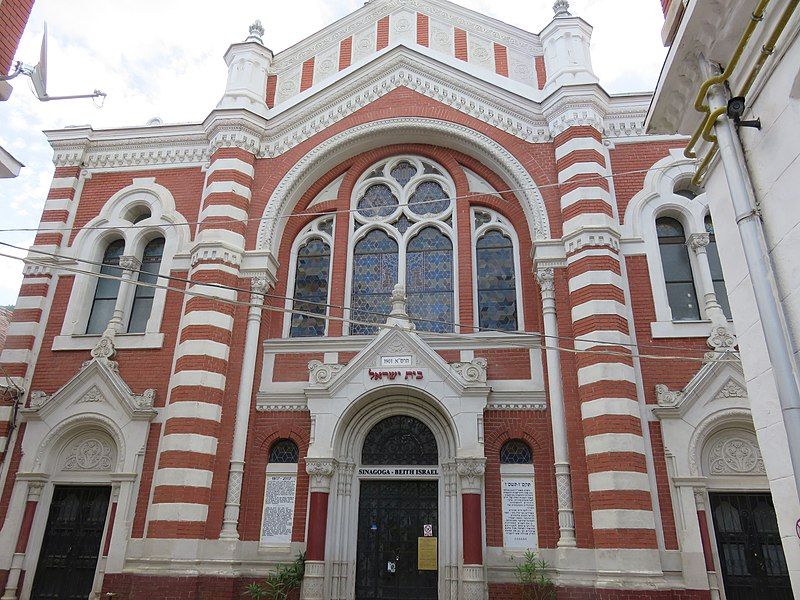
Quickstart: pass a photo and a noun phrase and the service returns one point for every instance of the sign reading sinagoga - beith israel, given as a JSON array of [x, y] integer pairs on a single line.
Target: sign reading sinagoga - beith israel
[[278, 509], [519, 513], [399, 472]]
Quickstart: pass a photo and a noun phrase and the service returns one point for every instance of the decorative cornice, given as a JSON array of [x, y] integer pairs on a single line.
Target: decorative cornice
[[508, 400]]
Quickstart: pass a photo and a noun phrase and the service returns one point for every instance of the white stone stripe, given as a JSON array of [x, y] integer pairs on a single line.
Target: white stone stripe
[[582, 168], [189, 442], [3, 443], [618, 480], [22, 329], [223, 267], [606, 372], [610, 406], [580, 255], [58, 204], [209, 318], [5, 412], [203, 348], [31, 280], [589, 221], [222, 210], [614, 442], [623, 519], [600, 338], [178, 511], [576, 144], [584, 193], [227, 187], [231, 164], [218, 233], [593, 308], [15, 356], [185, 477], [190, 409], [201, 378], [31, 302], [213, 291], [59, 183], [594, 278]]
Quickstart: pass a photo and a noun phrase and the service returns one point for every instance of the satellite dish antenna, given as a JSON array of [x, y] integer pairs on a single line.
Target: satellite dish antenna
[[38, 75]]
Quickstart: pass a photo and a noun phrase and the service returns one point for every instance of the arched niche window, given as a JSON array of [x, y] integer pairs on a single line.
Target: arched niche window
[[519, 498], [403, 222], [144, 295], [107, 290], [495, 271], [400, 440], [280, 491], [716, 269], [312, 268], [677, 267]]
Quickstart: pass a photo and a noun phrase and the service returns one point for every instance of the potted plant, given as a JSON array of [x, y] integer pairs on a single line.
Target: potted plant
[[281, 583]]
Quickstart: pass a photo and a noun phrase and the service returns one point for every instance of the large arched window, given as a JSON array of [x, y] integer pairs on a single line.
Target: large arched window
[[677, 268], [716, 269], [143, 296], [403, 222], [400, 440], [107, 290], [495, 270]]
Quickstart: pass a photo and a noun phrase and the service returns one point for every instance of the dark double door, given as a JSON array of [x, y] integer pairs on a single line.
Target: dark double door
[[71, 545], [750, 551], [391, 518]]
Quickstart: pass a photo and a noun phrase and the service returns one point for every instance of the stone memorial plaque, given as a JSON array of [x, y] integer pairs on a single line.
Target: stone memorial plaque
[[519, 513], [278, 509]]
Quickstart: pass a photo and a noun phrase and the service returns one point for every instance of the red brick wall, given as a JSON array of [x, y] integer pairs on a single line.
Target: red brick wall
[[13, 18]]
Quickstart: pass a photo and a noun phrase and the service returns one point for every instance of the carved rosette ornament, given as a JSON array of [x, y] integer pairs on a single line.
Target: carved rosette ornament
[[735, 456], [322, 373], [721, 340], [732, 390], [471, 471], [320, 471], [89, 455], [104, 351], [473, 371]]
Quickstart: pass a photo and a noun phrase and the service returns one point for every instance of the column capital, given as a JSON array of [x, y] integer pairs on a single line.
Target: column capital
[[547, 281], [698, 241], [129, 263], [320, 471], [35, 490], [471, 471]]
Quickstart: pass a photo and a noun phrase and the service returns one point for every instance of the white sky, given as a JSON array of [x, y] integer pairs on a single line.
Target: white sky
[[164, 59]]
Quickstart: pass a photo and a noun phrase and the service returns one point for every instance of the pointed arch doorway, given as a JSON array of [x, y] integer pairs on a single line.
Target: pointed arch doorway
[[398, 522]]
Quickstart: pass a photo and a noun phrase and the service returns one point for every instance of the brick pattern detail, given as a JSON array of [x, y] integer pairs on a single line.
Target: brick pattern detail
[[307, 79], [501, 59], [345, 53], [13, 18], [461, 44], [272, 88], [612, 428], [541, 71], [423, 29], [383, 34], [192, 469]]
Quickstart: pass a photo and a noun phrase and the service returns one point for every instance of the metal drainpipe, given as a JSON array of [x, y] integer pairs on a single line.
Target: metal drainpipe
[[773, 322]]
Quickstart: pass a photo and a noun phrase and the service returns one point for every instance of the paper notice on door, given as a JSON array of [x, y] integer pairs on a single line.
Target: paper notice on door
[[427, 553]]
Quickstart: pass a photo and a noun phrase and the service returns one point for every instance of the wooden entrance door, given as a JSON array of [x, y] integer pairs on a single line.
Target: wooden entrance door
[[71, 546]]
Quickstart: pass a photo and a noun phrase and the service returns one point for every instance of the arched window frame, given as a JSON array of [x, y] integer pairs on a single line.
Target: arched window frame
[[360, 226], [661, 196], [114, 222], [684, 219], [498, 223], [309, 232]]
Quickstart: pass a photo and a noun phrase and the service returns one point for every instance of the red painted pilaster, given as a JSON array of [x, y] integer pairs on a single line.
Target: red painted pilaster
[[471, 517], [317, 526]]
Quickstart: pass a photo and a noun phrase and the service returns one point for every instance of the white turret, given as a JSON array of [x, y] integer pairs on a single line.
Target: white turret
[[248, 66], [566, 42]]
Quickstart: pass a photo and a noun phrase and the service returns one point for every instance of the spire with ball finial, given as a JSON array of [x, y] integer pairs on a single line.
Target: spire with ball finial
[[561, 8], [256, 33]]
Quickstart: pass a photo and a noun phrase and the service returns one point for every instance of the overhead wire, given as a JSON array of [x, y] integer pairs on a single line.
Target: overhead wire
[[325, 305], [285, 310]]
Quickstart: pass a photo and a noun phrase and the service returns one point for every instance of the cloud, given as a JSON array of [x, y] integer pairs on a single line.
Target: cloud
[[157, 58]]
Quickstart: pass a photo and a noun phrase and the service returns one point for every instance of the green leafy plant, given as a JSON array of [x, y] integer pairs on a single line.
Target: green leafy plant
[[532, 577], [281, 583]]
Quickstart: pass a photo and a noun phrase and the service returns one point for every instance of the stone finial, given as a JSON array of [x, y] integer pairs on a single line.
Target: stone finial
[[399, 317], [256, 33], [561, 8]]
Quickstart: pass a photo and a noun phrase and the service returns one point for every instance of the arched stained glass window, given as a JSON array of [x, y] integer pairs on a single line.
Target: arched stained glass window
[[311, 288], [516, 452], [429, 280], [400, 440], [143, 297], [497, 286], [378, 201], [403, 172], [284, 451], [374, 278], [677, 267], [107, 290], [428, 199], [716, 269]]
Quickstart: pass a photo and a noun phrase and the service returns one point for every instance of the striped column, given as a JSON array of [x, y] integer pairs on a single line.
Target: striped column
[[620, 497], [34, 493], [188, 450], [24, 331]]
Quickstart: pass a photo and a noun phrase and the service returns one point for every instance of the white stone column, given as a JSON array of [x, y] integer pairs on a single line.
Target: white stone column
[[721, 337], [33, 495], [129, 265], [566, 517], [230, 522]]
